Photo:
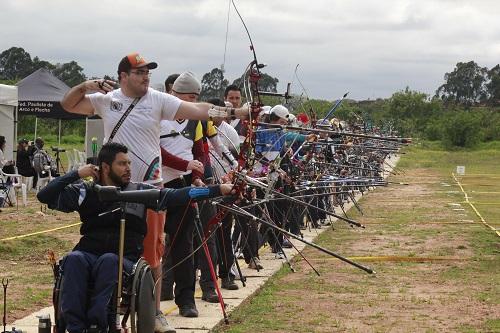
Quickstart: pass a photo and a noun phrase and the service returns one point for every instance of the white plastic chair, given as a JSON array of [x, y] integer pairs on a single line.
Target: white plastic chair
[[41, 182], [17, 185], [71, 161], [77, 157], [28, 181], [83, 157]]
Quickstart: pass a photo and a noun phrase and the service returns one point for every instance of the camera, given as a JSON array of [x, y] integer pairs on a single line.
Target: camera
[[58, 149]]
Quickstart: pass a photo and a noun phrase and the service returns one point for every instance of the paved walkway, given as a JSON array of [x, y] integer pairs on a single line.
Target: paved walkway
[[210, 314]]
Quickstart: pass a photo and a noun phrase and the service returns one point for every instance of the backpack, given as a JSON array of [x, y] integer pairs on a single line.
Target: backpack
[[40, 160]]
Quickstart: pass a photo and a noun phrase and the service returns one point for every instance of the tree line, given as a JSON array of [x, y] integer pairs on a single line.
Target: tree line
[[464, 110], [16, 64], [470, 84]]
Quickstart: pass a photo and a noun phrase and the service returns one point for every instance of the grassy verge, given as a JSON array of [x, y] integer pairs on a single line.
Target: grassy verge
[[24, 261], [456, 290]]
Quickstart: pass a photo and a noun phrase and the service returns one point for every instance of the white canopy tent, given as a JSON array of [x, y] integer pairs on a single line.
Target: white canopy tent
[[8, 118]]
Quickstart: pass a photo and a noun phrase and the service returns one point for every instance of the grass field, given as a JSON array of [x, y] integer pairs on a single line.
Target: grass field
[[438, 268], [446, 279], [24, 261]]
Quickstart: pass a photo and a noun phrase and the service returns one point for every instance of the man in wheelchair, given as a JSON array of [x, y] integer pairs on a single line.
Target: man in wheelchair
[[94, 260]]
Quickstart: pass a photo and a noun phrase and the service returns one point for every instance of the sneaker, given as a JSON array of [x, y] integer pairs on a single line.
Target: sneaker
[[279, 255], [188, 310], [255, 264], [210, 296], [239, 255], [286, 244], [161, 324], [229, 284]]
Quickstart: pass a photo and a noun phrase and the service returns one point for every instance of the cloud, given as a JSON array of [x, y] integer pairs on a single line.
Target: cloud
[[369, 48]]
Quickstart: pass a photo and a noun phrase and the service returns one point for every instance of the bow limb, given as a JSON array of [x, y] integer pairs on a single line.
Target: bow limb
[[337, 104], [246, 150]]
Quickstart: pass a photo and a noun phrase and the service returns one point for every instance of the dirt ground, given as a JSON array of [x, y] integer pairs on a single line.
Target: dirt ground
[[436, 271], [409, 297], [24, 261]]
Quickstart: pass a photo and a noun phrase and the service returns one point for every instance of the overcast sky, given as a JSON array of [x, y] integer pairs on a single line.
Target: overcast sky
[[369, 48]]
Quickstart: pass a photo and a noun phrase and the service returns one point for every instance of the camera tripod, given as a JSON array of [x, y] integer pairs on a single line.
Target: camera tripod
[[58, 160]]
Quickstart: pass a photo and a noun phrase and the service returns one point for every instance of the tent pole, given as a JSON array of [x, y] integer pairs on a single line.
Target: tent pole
[[15, 130], [59, 138], [36, 126]]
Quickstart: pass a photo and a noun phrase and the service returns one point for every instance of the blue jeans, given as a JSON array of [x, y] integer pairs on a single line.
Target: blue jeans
[[80, 308]]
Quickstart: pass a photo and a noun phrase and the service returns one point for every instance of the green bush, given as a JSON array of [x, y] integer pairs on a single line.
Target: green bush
[[52, 140], [47, 127], [491, 124], [462, 129], [434, 130]]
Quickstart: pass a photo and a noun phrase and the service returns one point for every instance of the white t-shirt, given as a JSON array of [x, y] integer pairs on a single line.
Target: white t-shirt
[[140, 131], [178, 145], [225, 133], [229, 134]]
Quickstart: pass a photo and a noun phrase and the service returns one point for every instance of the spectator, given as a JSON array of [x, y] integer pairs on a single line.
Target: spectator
[[6, 166], [42, 161], [24, 160]]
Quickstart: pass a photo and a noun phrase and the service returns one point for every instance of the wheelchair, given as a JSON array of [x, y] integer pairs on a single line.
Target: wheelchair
[[137, 303]]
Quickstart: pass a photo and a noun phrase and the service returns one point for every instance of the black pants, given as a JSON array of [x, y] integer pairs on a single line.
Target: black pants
[[207, 211], [249, 241], [276, 214], [313, 213], [295, 219], [179, 226], [29, 172], [225, 247], [320, 203]]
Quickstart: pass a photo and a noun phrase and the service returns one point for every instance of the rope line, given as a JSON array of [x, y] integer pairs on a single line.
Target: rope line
[[40, 232], [473, 207]]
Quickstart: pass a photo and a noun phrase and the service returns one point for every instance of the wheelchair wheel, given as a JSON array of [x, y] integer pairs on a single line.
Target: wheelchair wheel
[[59, 324], [142, 302]]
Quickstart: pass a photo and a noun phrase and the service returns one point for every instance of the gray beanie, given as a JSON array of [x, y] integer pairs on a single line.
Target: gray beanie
[[187, 83]]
